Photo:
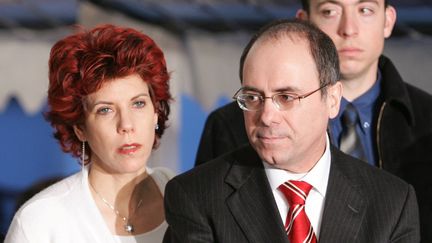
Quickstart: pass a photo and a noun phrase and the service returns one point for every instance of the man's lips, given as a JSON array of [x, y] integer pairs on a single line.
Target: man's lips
[[349, 51], [270, 139], [129, 148]]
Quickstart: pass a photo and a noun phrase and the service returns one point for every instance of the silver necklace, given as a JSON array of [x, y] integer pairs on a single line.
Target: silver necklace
[[128, 226]]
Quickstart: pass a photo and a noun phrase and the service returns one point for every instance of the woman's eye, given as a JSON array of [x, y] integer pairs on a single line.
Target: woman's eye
[[139, 103], [103, 110]]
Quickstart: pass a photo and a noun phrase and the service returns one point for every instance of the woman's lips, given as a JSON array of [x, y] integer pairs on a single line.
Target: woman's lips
[[129, 148]]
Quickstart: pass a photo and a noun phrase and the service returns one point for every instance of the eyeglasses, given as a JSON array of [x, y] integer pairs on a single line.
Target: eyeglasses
[[253, 101]]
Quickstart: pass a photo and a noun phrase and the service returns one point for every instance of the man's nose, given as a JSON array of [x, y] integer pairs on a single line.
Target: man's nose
[[348, 26], [269, 112]]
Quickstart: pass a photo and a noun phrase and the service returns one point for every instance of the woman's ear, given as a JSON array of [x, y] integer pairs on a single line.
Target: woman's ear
[[155, 118], [334, 96], [79, 133]]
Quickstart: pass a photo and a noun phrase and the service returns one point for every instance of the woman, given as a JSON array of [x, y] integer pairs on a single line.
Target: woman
[[108, 102]]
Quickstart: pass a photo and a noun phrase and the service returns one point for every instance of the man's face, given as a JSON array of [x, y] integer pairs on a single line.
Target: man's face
[[292, 139], [358, 29]]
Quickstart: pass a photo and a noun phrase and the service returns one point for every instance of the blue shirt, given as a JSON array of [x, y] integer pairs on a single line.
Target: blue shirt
[[366, 105]]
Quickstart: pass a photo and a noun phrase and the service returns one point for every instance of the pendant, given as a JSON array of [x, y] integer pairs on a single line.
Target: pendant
[[129, 228]]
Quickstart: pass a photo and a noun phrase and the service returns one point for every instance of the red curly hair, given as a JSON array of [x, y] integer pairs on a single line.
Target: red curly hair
[[81, 63]]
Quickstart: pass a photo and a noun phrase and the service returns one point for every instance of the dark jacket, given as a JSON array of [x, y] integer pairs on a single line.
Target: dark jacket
[[230, 200], [403, 136]]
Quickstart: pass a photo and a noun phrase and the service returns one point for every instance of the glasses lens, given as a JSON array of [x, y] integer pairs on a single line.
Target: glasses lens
[[249, 102], [283, 101]]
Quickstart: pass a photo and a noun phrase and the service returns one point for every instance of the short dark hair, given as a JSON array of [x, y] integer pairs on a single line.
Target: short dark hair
[[321, 46], [306, 6]]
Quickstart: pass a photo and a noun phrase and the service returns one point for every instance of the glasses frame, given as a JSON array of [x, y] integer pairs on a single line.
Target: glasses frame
[[263, 98]]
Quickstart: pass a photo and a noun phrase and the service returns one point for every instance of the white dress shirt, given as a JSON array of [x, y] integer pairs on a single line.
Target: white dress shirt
[[317, 177]]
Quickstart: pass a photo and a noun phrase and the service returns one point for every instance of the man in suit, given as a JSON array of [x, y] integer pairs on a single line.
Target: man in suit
[[289, 92], [394, 115]]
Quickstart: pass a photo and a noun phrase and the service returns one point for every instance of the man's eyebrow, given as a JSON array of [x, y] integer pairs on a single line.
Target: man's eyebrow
[[287, 89], [329, 1], [339, 3], [278, 90], [369, 1], [250, 88]]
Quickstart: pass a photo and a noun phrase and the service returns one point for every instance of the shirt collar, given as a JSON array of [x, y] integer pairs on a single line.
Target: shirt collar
[[364, 104], [317, 176], [369, 97]]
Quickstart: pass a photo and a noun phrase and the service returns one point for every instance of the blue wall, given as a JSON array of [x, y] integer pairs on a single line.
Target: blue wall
[[28, 154]]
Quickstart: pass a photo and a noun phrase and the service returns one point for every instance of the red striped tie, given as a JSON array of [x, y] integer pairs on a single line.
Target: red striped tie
[[297, 225]]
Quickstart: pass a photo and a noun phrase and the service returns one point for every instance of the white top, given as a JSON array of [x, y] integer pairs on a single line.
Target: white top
[[66, 212], [317, 177]]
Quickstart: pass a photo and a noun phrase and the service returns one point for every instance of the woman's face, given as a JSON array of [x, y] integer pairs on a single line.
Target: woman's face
[[120, 125]]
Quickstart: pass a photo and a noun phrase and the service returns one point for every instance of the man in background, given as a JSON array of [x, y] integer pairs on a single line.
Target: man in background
[[387, 115]]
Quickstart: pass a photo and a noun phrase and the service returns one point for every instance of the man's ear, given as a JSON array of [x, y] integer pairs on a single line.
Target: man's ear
[[390, 20], [302, 15], [79, 133], [334, 96]]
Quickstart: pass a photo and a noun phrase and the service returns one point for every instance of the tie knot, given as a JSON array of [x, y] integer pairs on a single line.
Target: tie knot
[[349, 116], [295, 192]]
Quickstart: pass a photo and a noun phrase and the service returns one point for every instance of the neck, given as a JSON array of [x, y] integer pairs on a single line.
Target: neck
[[356, 85], [130, 204], [118, 189], [308, 162]]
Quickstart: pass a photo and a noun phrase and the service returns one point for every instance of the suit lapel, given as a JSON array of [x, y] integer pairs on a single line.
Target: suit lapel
[[344, 207], [252, 203]]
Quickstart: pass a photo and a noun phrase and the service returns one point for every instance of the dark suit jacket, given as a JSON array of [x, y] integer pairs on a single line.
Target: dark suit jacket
[[229, 200], [224, 131], [403, 132], [418, 173]]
